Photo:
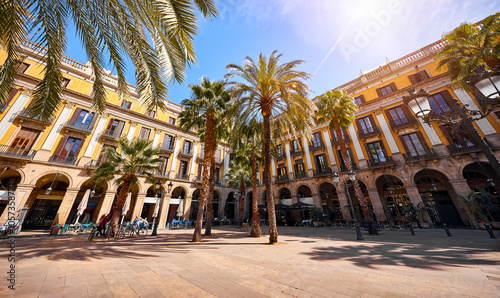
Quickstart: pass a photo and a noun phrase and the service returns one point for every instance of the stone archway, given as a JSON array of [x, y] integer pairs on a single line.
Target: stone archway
[[304, 194], [93, 206], [330, 202], [394, 198], [285, 196], [46, 201], [437, 196], [9, 179], [195, 204], [229, 208], [356, 204]]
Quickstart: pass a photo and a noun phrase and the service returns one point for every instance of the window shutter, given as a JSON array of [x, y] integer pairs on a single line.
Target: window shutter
[[422, 140], [80, 146], [110, 123], [412, 79], [388, 115], [383, 149], [94, 119], [119, 129], [425, 75], [362, 98], [61, 145], [76, 114], [12, 93], [360, 129], [448, 98], [378, 92], [446, 134], [407, 111], [372, 121], [404, 144], [393, 86]]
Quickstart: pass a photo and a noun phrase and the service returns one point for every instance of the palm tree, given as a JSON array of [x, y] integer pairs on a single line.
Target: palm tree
[[272, 89], [469, 48], [120, 29], [135, 157], [238, 176], [207, 105], [245, 140], [337, 109]]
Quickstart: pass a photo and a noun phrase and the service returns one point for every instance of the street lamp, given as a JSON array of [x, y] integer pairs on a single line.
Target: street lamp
[[48, 190], [352, 178], [159, 201], [461, 116]]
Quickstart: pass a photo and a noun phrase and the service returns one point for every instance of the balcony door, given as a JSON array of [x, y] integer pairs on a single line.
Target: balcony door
[[24, 141], [83, 119], [69, 150]]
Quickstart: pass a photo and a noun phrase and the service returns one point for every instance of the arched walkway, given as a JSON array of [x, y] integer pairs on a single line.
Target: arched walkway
[[394, 198], [229, 211], [93, 206], [482, 179], [176, 211], [195, 204], [9, 180], [356, 204], [330, 202]]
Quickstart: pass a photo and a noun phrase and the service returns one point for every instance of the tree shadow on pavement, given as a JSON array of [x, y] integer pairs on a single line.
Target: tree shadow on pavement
[[410, 255]]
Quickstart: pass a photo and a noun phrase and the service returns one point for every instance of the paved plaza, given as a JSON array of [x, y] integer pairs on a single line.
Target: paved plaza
[[307, 262]]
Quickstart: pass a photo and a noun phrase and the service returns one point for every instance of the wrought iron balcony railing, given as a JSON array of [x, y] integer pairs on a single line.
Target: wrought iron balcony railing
[[389, 162], [281, 178], [79, 126], [343, 168], [294, 152], [421, 155], [316, 146], [15, 152], [281, 156], [301, 175], [63, 159], [403, 123], [462, 148], [322, 171], [182, 176], [111, 134], [27, 114], [186, 152], [160, 174], [347, 140], [165, 149]]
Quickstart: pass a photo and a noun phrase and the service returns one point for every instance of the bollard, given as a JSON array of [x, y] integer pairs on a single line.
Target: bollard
[[447, 230], [488, 229], [411, 229]]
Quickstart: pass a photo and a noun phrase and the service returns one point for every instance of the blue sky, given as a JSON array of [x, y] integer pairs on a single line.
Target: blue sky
[[336, 39]]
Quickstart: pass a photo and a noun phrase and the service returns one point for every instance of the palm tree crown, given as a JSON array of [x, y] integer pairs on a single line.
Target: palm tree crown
[[106, 28], [336, 106]]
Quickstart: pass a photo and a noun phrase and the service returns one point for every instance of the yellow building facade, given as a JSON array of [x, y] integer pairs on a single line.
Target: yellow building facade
[[61, 154], [397, 158]]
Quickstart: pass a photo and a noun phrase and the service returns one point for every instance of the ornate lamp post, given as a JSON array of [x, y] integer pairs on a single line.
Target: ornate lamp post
[[488, 85], [352, 178], [158, 186]]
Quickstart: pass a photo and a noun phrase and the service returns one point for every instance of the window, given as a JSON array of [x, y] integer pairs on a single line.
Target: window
[[365, 125], [69, 149], [438, 103], [280, 150], [294, 144], [344, 134], [83, 118], [317, 141], [382, 91], [115, 128], [359, 100], [218, 154], [341, 158], [126, 104], [171, 120], [281, 170], [168, 142], [201, 168], [457, 138], [413, 144], [22, 67], [418, 77], [65, 82], [24, 140], [299, 166], [320, 162], [102, 155], [217, 174], [4, 105], [377, 152], [187, 147], [144, 133], [398, 115], [183, 168], [163, 165], [150, 114]]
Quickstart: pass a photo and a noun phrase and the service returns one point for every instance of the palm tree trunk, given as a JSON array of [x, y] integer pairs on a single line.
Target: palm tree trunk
[[122, 197], [273, 229], [358, 193], [209, 151], [255, 232], [242, 202], [210, 195]]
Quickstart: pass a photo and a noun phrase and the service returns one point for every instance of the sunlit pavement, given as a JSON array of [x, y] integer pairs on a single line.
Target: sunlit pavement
[[307, 262]]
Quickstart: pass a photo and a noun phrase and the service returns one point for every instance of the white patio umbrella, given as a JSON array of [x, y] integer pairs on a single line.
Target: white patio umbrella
[[126, 206], [83, 205], [180, 209], [157, 207]]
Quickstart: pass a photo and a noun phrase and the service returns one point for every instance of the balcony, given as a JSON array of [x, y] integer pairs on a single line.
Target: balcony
[[343, 168], [281, 156], [111, 134], [63, 159], [322, 171], [186, 153], [281, 178], [26, 114], [368, 134], [347, 140], [181, 176], [74, 125], [296, 152], [420, 155], [15, 152], [410, 121], [300, 175], [376, 165], [165, 149], [160, 174], [462, 148], [316, 146]]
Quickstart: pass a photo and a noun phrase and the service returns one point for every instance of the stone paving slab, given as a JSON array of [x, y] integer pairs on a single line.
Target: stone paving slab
[[307, 262]]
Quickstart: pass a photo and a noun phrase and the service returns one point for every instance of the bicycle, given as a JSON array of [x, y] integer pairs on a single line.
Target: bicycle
[[93, 232], [138, 227]]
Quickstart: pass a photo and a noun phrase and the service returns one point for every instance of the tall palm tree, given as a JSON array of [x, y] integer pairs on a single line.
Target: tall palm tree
[[271, 89], [123, 165], [337, 109], [207, 104], [238, 176], [120, 29], [246, 142], [469, 47]]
